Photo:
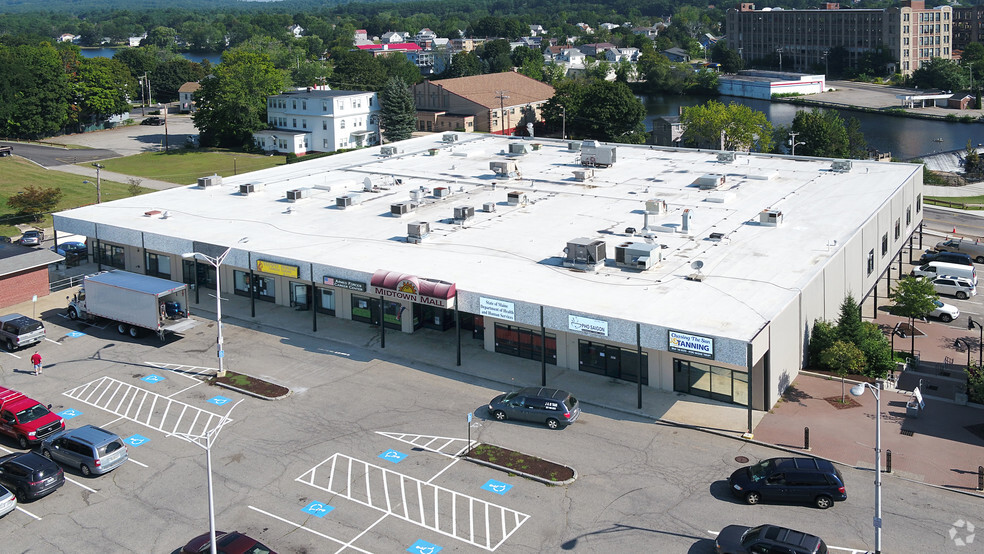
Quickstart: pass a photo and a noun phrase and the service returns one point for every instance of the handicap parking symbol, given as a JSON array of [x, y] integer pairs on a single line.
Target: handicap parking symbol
[[136, 440], [497, 487], [219, 400], [75, 334], [424, 547], [393, 456], [317, 509], [152, 378], [69, 413]]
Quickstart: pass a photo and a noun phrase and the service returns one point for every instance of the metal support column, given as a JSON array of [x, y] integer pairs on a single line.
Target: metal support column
[[457, 327], [543, 350]]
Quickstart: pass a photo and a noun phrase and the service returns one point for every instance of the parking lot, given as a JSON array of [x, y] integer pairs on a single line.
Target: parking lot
[[362, 457]]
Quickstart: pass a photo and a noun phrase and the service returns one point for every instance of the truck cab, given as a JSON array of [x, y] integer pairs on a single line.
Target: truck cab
[[26, 420]]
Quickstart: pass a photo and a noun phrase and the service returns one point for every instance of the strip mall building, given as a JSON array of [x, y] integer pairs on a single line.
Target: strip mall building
[[706, 269]]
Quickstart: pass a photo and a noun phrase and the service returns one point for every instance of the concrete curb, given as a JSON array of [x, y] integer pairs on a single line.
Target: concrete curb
[[524, 474], [254, 395]]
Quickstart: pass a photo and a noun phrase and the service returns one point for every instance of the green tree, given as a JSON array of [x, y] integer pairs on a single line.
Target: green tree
[[849, 321], [169, 77], [103, 88], [356, 70], [729, 127], [975, 383], [973, 165], [164, 38], [877, 350], [35, 201], [822, 132], [914, 298], [397, 110], [232, 103], [463, 64], [309, 73], [857, 145], [822, 337], [601, 110], [729, 59], [941, 74], [844, 359], [35, 92], [401, 67]]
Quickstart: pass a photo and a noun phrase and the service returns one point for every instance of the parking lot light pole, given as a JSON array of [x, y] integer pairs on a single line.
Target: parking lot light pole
[[980, 344], [858, 390], [205, 442], [98, 183], [216, 262]]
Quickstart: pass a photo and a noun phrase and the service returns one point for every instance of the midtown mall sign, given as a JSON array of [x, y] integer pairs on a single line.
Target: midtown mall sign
[[399, 286]]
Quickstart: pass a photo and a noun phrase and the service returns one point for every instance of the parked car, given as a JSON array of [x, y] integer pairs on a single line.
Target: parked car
[[90, 449], [7, 501], [18, 331], [741, 539], [228, 543], [954, 286], [949, 257], [30, 475], [5, 239], [32, 237], [66, 248], [553, 407], [944, 312], [973, 248], [152, 120], [801, 480]]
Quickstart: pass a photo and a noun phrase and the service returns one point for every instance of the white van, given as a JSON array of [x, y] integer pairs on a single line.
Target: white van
[[937, 269]]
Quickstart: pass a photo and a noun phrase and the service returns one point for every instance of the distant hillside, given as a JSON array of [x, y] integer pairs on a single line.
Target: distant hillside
[[79, 6]]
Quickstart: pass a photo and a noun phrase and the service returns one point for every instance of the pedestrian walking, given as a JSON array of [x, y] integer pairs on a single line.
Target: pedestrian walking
[[36, 360]]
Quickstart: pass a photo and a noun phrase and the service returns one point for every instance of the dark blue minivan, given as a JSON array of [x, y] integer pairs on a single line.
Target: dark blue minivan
[[796, 480]]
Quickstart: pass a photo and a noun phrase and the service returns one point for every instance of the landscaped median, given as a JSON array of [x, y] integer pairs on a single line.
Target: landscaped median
[[250, 385], [531, 467]]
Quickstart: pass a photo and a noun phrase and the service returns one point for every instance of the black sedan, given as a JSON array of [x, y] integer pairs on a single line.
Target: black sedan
[[741, 539], [229, 543], [30, 475]]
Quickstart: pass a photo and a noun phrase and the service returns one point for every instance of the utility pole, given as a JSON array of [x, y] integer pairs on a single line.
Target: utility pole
[[501, 95], [563, 126], [98, 183], [779, 50], [792, 141]]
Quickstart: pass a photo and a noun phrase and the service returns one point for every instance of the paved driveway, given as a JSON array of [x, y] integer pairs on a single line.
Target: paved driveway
[[134, 139]]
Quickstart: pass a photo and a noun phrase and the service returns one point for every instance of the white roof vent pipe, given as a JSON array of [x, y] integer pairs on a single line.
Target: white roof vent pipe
[[685, 224]]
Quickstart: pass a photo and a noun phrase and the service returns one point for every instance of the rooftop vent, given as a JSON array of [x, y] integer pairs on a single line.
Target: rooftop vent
[[416, 195], [637, 255], [450, 137], [726, 157], [348, 200], [710, 181], [715, 237], [463, 213], [516, 198], [298, 194], [596, 154], [584, 253], [656, 206], [211, 181], [770, 218], [841, 166], [387, 151], [250, 188], [518, 148], [574, 146], [488, 207], [504, 168], [417, 231], [584, 174]]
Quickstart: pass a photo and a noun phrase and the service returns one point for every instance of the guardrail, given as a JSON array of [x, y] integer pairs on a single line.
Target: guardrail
[[952, 204], [66, 283]]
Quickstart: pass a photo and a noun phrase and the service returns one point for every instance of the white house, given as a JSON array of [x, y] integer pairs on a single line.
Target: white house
[[135, 41], [186, 97], [317, 120], [394, 37], [296, 30], [615, 55]]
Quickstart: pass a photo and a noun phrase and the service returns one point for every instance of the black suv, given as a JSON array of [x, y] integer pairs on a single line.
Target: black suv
[[948, 257], [741, 539], [152, 120], [799, 480], [30, 475], [553, 407]]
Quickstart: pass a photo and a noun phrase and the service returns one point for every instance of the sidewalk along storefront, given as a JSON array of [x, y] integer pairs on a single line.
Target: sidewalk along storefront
[[408, 302]]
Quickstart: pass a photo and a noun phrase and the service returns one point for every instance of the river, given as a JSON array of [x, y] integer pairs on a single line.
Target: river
[[904, 137], [195, 57]]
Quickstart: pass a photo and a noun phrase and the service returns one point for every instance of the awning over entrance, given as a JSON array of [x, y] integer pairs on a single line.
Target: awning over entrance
[[408, 287]]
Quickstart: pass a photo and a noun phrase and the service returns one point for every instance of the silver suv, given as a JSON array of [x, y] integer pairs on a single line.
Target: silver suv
[[90, 449], [18, 331]]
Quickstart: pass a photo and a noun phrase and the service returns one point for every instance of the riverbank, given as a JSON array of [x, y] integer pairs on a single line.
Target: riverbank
[[881, 100]]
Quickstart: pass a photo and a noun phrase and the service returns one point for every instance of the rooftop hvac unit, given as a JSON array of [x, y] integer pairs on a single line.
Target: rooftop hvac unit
[[574, 146], [583, 174], [488, 207], [515, 198], [710, 181], [212, 181], [584, 253], [841, 166], [656, 206], [463, 213], [348, 201], [442, 192], [770, 218], [715, 237], [250, 188], [596, 154], [518, 148], [298, 194], [504, 168], [638, 255], [417, 231], [402, 208], [415, 195], [387, 151], [726, 157], [450, 137]]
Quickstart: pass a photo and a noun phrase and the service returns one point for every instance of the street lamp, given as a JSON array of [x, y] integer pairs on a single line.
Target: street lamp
[[217, 263], [163, 108], [858, 390], [98, 183], [980, 344], [956, 344], [205, 441]]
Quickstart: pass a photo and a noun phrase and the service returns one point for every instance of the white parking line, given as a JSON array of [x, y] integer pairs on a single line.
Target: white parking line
[[53, 341], [189, 371], [415, 501], [136, 462], [431, 443], [312, 531], [359, 536], [28, 513], [7, 352], [74, 482]]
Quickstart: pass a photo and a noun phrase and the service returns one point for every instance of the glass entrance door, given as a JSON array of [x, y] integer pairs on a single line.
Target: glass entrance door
[[300, 296]]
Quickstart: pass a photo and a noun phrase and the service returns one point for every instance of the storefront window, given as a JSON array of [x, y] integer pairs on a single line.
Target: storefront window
[[365, 309], [111, 255], [263, 288], [325, 299], [524, 343], [612, 361], [393, 313], [714, 382], [158, 265]]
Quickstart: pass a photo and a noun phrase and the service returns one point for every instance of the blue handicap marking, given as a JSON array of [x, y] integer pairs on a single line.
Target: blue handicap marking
[[69, 413], [393, 456], [136, 440], [75, 334], [219, 400], [317, 509], [497, 487], [424, 547], [152, 378]]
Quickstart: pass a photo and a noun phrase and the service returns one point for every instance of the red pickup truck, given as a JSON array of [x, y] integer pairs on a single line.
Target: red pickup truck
[[26, 420]]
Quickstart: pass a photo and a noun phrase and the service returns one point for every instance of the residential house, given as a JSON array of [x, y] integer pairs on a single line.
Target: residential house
[[462, 45], [676, 54], [536, 30], [649, 32], [667, 131], [68, 37], [596, 48], [425, 37], [384, 49], [585, 28], [135, 41], [615, 55], [186, 97], [296, 30], [608, 26], [498, 103], [394, 37], [319, 120], [361, 37]]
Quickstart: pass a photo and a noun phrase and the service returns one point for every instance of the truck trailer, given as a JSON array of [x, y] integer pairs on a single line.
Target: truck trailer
[[133, 302]]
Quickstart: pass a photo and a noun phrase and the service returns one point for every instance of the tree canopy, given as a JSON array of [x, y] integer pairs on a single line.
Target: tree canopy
[[824, 134], [600, 110], [727, 127], [398, 112]]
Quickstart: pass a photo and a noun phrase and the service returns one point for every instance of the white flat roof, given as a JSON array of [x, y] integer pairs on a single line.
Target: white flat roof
[[515, 252]]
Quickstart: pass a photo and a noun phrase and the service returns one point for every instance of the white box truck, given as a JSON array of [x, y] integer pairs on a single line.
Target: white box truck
[[133, 302]]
